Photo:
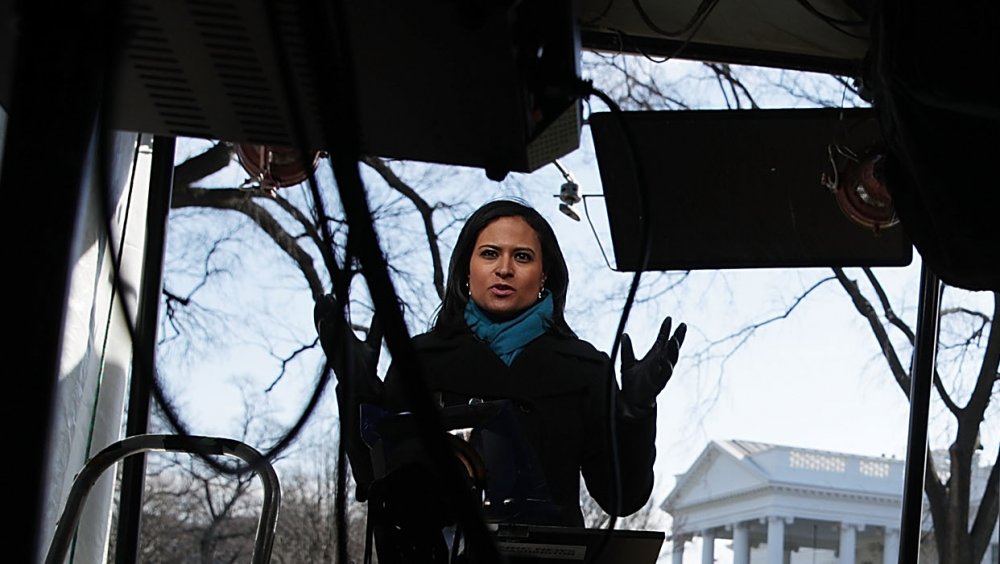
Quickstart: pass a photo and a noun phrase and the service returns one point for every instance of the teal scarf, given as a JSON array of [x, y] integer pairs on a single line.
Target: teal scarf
[[508, 338]]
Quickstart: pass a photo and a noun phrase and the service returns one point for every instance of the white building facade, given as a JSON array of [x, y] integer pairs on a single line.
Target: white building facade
[[785, 505]]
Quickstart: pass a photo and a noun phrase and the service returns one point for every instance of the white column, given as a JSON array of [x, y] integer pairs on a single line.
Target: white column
[[890, 555], [848, 542], [707, 547], [775, 540], [741, 544], [678, 551]]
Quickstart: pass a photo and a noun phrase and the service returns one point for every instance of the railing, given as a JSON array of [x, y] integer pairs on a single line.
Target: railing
[[849, 465], [103, 460]]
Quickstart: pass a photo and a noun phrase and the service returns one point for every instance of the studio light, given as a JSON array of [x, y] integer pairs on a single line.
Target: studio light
[[858, 184]]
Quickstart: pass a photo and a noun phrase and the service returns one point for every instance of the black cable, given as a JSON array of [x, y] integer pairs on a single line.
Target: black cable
[[425, 413], [692, 26], [340, 278], [835, 23], [827, 18], [328, 47], [694, 22], [622, 36], [599, 17], [593, 230], [645, 232]]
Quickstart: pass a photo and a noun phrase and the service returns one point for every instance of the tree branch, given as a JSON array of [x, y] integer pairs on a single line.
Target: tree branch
[[742, 336], [242, 201], [988, 373], [203, 164], [898, 323], [864, 307], [887, 310], [426, 215], [725, 73]]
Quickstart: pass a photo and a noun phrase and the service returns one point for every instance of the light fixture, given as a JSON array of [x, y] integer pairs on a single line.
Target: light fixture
[[858, 184], [569, 194], [271, 167]]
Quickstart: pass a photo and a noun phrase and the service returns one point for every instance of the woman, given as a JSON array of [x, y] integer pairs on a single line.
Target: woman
[[501, 335]]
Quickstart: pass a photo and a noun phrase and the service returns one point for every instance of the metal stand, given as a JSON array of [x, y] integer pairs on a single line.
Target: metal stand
[[924, 358]]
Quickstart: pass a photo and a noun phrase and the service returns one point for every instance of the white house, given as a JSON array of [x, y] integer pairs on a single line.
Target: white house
[[785, 505]]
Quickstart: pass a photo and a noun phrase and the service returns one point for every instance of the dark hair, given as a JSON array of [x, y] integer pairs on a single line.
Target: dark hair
[[451, 317]]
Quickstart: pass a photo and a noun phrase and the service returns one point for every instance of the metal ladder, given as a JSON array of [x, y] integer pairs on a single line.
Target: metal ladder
[[114, 452]]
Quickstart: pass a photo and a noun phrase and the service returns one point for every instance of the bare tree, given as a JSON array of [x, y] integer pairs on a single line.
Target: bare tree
[[307, 530], [193, 514], [971, 344]]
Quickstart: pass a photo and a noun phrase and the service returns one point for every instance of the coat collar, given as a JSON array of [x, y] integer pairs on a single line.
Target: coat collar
[[568, 346], [548, 365]]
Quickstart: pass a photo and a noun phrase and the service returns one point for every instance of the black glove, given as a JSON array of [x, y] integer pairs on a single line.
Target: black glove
[[642, 380], [349, 356]]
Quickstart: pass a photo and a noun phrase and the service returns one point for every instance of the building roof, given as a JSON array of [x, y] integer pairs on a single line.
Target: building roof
[[739, 480], [742, 464]]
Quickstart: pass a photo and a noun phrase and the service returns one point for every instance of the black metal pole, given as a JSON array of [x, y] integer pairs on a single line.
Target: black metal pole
[[921, 381], [143, 359]]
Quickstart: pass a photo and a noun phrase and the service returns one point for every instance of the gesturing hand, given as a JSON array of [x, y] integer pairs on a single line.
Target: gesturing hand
[[642, 380], [349, 356]]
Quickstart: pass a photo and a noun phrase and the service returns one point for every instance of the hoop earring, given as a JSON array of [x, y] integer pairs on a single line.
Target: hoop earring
[[468, 290]]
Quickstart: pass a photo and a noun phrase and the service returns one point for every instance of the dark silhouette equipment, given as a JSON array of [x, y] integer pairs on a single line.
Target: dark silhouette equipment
[[409, 509]]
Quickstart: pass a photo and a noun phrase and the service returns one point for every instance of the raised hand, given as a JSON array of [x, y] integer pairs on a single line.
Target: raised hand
[[642, 380]]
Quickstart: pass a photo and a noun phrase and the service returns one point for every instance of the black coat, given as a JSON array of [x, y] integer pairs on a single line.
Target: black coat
[[560, 387]]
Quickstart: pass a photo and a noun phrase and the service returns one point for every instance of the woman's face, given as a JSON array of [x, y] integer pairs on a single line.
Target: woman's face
[[505, 270]]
